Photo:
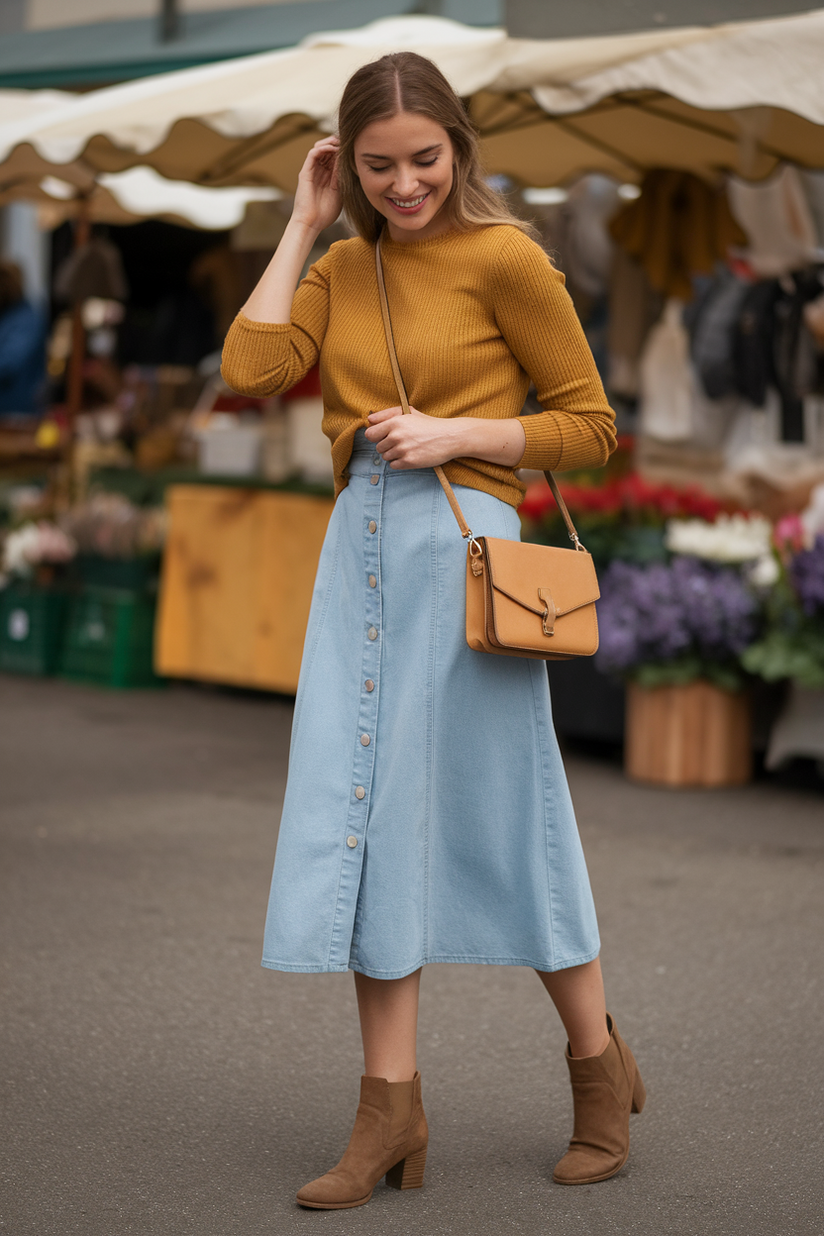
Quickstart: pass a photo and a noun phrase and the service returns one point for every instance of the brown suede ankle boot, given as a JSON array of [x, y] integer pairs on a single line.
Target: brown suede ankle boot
[[389, 1138], [605, 1089]]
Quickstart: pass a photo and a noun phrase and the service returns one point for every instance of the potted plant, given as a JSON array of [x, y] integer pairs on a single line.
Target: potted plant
[[676, 633]]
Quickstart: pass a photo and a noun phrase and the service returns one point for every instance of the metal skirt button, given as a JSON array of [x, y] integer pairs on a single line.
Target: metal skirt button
[[369, 684], [373, 583], [351, 842], [365, 740], [360, 792], [372, 633], [373, 527]]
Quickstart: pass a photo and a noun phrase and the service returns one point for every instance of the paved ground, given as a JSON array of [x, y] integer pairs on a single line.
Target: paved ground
[[156, 1080]]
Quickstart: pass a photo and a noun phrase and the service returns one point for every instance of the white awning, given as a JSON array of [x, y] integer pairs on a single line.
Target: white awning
[[740, 96]]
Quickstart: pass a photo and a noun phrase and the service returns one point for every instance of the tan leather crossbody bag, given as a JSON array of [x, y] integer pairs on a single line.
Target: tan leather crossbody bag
[[522, 600]]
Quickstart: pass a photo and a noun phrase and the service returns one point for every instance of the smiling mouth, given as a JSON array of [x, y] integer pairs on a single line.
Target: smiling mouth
[[411, 203]]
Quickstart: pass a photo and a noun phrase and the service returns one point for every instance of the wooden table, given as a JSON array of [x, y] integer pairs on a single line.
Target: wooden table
[[237, 584]]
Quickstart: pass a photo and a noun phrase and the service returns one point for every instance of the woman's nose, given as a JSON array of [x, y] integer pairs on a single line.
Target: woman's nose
[[406, 182]]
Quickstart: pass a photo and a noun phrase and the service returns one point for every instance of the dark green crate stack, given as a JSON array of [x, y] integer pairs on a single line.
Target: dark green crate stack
[[109, 638], [31, 628]]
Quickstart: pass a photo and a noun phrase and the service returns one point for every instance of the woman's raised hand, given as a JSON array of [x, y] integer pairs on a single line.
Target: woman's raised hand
[[318, 201], [317, 205]]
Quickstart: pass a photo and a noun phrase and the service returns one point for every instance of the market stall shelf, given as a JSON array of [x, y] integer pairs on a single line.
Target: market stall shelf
[[237, 584], [691, 734]]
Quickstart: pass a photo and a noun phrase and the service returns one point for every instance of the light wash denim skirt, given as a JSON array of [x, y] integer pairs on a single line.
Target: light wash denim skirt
[[427, 816]]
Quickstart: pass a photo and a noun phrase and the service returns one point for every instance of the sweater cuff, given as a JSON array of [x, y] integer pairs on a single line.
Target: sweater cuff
[[544, 442], [252, 353]]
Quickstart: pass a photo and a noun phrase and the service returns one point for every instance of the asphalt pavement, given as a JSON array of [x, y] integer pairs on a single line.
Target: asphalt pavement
[[156, 1080]]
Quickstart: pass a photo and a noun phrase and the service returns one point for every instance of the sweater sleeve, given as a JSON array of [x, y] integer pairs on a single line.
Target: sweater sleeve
[[266, 358], [536, 317]]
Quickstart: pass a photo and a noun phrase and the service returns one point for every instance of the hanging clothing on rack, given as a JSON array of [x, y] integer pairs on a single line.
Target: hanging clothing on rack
[[712, 329], [634, 308], [773, 346], [679, 227], [667, 384], [777, 218], [93, 270], [795, 351]]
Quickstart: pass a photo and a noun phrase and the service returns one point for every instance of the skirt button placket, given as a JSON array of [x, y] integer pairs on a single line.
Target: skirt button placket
[[354, 833]]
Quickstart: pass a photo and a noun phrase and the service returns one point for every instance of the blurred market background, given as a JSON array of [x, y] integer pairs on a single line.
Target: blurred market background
[[148, 153], [158, 542]]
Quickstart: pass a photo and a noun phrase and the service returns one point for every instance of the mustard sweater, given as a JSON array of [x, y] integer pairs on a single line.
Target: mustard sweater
[[476, 316]]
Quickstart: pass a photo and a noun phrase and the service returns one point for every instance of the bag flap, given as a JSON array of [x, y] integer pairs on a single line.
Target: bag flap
[[518, 569]]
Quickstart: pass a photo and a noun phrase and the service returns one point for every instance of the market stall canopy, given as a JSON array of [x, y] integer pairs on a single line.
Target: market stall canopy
[[140, 193], [126, 197], [740, 97], [22, 104]]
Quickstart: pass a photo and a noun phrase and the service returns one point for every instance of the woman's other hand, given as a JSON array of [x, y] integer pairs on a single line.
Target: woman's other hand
[[318, 201], [420, 441], [415, 441]]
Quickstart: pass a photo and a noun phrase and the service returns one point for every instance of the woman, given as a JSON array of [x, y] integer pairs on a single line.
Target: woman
[[427, 816]]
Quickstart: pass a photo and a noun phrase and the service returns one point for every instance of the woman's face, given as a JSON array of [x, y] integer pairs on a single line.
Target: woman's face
[[405, 168]]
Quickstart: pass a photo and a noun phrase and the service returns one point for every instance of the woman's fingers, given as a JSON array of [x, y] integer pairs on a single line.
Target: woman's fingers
[[385, 414], [317, 201], [326, 145], [416, 441], [380, 423], [324, 154]]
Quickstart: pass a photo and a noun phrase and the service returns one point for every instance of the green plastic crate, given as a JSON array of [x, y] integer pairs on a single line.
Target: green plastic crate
[[123, 574], [31, 628], [109, 638]]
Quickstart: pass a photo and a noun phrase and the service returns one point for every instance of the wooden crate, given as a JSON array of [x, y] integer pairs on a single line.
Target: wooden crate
[[237, 584], [688, 735]]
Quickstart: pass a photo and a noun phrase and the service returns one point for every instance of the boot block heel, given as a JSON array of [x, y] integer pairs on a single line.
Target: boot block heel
[[639, 1093], [408, 1174]]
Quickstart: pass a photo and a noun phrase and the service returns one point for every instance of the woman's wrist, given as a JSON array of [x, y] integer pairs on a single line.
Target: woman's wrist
[[494, 441], [302, 231]]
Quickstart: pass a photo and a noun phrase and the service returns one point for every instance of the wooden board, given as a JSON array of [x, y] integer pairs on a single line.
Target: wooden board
[[237, 584]]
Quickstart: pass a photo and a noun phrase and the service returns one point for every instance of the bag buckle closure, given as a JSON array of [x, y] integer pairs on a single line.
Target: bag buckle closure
[[550, 613], [476, 553]]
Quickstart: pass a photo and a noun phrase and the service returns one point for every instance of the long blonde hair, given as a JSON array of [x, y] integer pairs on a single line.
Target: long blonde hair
[[407, 82]]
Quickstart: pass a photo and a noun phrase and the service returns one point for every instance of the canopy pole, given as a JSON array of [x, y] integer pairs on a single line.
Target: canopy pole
[[74, 379]]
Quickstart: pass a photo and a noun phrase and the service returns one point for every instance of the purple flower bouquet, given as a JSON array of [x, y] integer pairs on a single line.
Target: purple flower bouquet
[[675, 623]]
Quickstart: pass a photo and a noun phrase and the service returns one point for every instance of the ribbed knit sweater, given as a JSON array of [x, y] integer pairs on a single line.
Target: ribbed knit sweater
[[476, 315]]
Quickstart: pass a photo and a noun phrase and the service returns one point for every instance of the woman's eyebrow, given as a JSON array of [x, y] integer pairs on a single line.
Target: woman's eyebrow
[[416, 155]]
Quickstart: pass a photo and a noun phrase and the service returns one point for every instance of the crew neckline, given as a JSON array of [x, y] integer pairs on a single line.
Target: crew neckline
[[423, 242]]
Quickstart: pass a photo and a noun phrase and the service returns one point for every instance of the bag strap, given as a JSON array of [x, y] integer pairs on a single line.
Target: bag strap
[[466, 531]]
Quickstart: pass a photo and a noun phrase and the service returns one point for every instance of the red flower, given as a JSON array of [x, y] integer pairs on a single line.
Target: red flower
[[630, 498]]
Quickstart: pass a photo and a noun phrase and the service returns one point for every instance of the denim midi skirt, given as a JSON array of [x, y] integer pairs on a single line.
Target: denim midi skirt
[[427, 816]]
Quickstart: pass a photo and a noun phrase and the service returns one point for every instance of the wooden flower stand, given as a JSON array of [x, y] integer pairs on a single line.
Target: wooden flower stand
[[688, 735]]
